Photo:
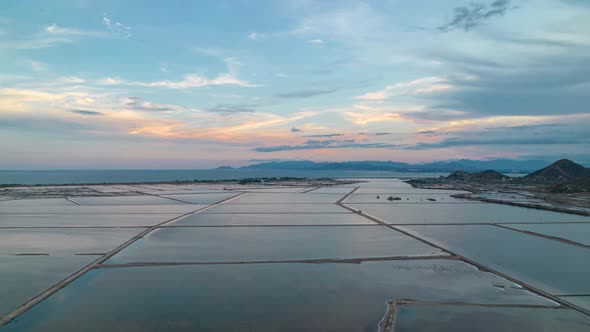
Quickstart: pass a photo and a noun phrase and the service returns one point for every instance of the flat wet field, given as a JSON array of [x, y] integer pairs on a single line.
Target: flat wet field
[[190, 257]]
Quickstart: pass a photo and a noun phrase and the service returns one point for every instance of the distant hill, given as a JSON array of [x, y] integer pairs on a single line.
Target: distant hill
[[484, 176], [500, 165]]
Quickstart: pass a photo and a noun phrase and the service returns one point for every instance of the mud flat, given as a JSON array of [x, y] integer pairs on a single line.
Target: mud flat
[[529, 196]]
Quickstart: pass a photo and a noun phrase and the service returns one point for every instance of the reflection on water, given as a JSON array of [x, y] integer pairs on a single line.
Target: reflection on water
[[553, 266], [258, 297], [472, 318]]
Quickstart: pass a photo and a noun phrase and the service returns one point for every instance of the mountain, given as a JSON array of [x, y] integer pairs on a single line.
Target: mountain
[[563, 170], [290, 165], [500, 165], [564, 176]]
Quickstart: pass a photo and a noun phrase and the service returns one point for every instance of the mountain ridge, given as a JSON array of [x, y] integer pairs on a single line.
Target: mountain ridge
[[500, 165]]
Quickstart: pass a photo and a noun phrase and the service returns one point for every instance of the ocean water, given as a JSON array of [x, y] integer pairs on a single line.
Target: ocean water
[[128, 176]]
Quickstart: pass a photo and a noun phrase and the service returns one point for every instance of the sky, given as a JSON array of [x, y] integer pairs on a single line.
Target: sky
[[198, 84]]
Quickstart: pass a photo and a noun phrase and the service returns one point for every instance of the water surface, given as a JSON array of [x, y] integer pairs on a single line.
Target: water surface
[[258, 297]]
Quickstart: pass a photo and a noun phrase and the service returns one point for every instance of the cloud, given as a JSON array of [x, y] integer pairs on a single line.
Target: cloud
[[117, 28], [188, 81], [54, 29], [193, 80], [139, 104], [197, 81], [454, 142], [110, 81], [124, 116], [51, 35], [268, 160], [527, 127], [85, 112], [541, 134], [426, 85], [38, 65], [296, 130], [332, 144], [468, 17], [427, 132], [255, 36], [304, 93], [323, 135], [11, 77], [315, 41], [210, 51], [363, 117], [232, 109], [34, 43], [71, 80], [375, 134], [546, 85]]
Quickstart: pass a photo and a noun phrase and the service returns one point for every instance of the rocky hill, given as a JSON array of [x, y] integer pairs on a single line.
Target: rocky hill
[[561, 171], [563, 176]]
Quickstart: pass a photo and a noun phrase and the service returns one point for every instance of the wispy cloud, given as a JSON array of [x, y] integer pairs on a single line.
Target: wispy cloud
[[323, 135], [476, 133], [13, 77], [71, 80], [305, 93], [117, 28], [55, 29], [53, 35], [38, 65], [375, 134], [191, 80], [197, 81], [267, 160], [427, 132], [232, 109], [296, 130], [520, 141], [111, 81], [39, 42], [332, 144], [255, 36], [85, 112], [468, 17], [122, 116], [426, 85], [364, 115], [315, 41], [139, 104]]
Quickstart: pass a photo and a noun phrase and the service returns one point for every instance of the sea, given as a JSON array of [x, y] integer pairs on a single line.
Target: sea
[[54, 177]]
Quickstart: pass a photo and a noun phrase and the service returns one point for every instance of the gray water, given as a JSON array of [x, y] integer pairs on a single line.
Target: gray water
[[286, 296], [128, 176]]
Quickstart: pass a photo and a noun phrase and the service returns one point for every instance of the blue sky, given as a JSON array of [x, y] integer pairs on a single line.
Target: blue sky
[[198, 84]]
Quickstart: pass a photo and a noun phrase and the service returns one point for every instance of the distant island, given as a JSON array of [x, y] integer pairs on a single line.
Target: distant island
[[499, 165]]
